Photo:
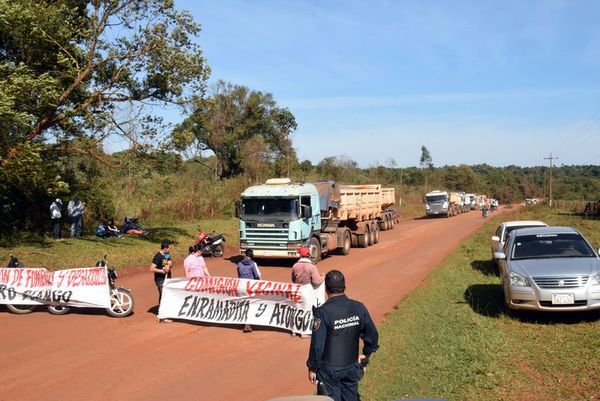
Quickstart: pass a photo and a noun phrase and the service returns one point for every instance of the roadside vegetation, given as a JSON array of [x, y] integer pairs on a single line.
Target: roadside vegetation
[[453, 339]]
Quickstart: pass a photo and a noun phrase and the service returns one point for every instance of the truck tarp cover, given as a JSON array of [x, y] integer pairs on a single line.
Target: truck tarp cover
[[329, 194]]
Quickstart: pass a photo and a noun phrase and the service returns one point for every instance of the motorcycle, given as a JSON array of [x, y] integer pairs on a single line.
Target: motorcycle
[[484, 212], [211, 245], [121, 300]]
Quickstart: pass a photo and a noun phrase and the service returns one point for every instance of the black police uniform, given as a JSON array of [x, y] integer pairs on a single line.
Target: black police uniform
[[337, 326]]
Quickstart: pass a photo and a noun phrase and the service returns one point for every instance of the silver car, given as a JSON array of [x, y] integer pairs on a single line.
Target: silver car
[[501, 234], [549, 269]]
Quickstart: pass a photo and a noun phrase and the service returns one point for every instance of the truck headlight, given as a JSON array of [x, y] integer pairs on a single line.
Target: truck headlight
[[596, 279], [445, 205], [518, 280], [426, 206]]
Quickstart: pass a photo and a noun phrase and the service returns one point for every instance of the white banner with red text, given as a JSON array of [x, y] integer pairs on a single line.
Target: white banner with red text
[[226, 300], [81, 287]]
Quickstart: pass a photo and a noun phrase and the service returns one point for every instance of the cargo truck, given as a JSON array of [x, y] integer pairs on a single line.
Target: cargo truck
[[443, 203], [278, 217]]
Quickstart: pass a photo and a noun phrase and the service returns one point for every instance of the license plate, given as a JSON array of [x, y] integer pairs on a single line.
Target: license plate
[[563, 299]]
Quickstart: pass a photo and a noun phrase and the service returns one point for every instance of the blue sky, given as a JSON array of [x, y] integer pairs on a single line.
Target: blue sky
[[497, 82]]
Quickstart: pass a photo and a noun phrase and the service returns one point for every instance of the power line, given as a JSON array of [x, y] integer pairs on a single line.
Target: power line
[[581, 129]]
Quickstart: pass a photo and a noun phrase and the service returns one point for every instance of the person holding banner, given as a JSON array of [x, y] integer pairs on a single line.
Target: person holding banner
[[248, 269], [161, 267], [304, 271], [334, 364], [194, 265]]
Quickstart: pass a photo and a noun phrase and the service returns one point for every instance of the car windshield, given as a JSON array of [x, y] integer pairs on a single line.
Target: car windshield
[[276, 208], [436, 198], [509, 229], [551, 246]]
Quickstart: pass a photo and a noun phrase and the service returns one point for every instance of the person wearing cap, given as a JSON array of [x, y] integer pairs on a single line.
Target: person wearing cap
[[334, 363], [55, 215], [304, 271], [161, 267]]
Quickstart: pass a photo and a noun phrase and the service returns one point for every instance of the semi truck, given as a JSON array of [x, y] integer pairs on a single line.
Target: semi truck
[[278, 217], [444, 203]]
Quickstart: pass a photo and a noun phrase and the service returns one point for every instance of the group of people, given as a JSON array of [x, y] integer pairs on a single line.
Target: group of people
[[334, 363], [75, 211]]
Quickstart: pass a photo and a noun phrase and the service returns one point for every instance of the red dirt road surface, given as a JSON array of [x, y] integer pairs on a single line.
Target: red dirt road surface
[[87, 355]]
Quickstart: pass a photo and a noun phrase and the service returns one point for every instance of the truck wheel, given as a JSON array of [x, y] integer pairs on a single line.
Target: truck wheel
[[386, 223], [315, 250], [346, 243], [392, 224], [376, 236], [369, 235], [354, 240], [363, 242]]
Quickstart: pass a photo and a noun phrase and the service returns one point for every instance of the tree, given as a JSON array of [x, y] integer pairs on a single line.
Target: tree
[[228, 119], [73, 72], [74, 67], [425, 162]]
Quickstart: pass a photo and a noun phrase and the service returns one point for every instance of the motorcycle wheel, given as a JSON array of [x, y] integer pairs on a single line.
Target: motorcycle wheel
[[20, 309], [59, 309], [121, 303], [219, 251]]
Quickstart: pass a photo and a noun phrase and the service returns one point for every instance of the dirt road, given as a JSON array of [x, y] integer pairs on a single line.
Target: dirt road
[[90, 356]]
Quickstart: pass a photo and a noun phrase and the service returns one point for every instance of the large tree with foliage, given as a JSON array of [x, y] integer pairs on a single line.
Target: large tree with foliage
[[242, 127], [85, 69]]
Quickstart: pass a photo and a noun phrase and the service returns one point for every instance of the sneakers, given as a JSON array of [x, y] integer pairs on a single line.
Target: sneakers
[[247, 329], [164, 320]]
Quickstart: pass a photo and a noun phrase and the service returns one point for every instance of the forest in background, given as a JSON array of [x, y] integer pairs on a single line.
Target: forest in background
[[76, 73]]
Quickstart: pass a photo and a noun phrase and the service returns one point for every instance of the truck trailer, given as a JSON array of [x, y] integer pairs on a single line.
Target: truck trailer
[[278, 217]]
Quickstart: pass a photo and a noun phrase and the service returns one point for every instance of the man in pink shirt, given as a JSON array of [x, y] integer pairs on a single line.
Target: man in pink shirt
[[304, 272]]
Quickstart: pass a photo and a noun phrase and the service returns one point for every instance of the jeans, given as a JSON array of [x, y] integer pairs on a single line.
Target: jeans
[[340, 383], [76, 226], [56, 228]]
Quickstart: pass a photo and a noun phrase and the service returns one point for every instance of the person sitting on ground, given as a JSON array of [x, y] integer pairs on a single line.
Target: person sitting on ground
[[132, 226], [194, 264], [248, 269], [112, 229], [101, 230], [304, 271]]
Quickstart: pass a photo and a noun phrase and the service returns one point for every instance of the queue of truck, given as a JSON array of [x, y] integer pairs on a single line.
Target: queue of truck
[[449, 203], [279, 217]]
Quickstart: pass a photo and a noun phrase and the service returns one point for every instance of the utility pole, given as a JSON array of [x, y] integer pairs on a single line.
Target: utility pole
[[550, 179]]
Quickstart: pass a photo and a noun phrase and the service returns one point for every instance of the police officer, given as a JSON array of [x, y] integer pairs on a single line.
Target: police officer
[[333, 361]]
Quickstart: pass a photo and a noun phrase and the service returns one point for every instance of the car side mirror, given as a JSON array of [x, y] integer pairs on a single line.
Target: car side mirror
[[495, 238], [306, 211], [499, 255], [238, 209]]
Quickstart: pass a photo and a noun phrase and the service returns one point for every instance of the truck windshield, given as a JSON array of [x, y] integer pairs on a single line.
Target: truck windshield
[[436, 198], [285, 209]]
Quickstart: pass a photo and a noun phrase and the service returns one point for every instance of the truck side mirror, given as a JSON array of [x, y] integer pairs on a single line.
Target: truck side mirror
[[306, 211], [238, 209]]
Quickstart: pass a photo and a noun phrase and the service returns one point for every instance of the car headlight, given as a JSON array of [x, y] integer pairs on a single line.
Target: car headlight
[[518, 280], [596, 279], [445, 205]]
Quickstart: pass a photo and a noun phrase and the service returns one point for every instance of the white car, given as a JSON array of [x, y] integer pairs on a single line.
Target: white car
[[501, 234]]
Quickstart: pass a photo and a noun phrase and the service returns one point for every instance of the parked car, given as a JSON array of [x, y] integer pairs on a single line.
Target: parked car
[[549, 269], [499, 237]]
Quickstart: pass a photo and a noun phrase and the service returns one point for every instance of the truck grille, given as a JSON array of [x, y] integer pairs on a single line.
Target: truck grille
[[275, 238], [561, 282], [436, 208]]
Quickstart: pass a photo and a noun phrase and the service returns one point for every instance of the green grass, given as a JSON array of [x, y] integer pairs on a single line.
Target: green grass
[[451, 338], [122, 252]]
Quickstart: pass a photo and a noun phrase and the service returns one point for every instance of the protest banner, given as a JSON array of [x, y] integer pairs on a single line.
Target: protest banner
[[226, 300], [81, 287]]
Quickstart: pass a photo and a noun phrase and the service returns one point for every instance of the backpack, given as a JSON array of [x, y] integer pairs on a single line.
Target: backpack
[[100, 230]]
